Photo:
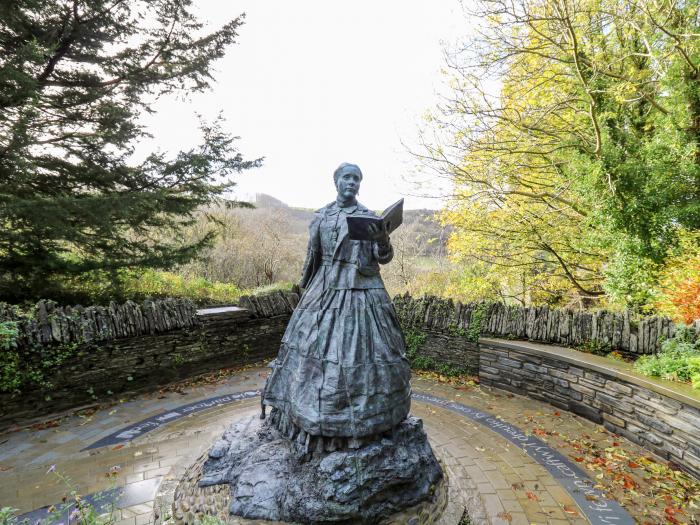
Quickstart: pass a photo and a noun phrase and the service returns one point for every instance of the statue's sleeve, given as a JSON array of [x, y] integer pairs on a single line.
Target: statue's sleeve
[[313, 253]]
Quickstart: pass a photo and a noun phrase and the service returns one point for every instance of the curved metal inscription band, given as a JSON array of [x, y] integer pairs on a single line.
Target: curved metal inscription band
[[597, 509], [149, 424]]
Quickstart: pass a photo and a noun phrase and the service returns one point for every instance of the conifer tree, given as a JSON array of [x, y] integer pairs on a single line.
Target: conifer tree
[[75, 75]]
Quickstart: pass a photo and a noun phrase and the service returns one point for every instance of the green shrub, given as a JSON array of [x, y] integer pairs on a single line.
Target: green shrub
[[10, 376], [678, 360], [477, 320]]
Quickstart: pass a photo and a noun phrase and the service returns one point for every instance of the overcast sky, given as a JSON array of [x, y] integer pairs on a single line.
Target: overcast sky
[[314, 83]]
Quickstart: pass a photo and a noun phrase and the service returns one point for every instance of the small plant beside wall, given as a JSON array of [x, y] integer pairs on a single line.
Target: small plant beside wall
[[415, 339], [678, 360], [10, 378], [476, 324]]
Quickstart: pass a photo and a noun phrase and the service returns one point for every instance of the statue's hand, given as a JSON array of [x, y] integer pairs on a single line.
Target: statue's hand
[[378, 233]]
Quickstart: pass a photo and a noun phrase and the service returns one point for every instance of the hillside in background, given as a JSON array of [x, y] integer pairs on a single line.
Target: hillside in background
[[266, 245], [424, 228]]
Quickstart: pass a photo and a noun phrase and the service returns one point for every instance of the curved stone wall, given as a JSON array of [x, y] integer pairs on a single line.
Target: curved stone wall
[[221, 338], [661, 416]]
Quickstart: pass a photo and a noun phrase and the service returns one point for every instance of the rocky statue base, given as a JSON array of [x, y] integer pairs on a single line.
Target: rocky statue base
[[278, 478]]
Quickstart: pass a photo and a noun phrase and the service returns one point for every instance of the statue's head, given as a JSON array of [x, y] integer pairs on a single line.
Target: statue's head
[[347, 179]]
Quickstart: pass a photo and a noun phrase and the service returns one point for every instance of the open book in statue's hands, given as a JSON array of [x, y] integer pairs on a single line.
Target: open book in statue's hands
[[359, 228]]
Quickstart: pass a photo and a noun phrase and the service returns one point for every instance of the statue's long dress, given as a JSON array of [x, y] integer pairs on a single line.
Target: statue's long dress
[[341, 368]]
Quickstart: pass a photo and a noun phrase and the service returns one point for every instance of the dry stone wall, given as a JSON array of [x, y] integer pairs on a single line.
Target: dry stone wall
[[603, 329], [131, 348], [49, 323], [207, 340]]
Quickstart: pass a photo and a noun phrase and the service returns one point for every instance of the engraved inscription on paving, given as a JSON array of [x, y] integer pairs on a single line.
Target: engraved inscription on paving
[[598, 509], [154, 422]]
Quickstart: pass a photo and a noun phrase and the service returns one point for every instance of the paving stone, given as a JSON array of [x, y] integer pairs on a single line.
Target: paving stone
[[497, 479], [485, 488], [507, 494], [554, 512], [519, 518], [511, 505], [493, 505], [477, 475]]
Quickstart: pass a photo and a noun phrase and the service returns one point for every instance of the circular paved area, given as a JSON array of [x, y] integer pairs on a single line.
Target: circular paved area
[[501, 482]]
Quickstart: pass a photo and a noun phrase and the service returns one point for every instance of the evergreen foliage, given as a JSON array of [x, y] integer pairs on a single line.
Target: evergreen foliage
[[75, 76]]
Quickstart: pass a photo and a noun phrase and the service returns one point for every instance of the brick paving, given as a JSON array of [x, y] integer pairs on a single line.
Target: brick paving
[[498, 482]]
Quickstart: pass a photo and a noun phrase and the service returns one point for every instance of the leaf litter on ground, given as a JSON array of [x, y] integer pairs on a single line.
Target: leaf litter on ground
[[652, 490]]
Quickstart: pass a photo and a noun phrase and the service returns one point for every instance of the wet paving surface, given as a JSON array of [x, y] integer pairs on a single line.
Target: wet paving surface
[[510, 483]]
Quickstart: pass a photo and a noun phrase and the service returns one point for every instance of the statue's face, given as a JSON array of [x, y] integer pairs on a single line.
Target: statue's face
[[348, 184]]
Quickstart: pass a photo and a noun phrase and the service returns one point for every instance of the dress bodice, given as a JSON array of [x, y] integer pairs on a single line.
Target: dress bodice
[[330, 230], [337, 261]]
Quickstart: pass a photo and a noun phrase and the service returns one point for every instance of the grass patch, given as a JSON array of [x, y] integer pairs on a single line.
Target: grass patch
[[99, 288]]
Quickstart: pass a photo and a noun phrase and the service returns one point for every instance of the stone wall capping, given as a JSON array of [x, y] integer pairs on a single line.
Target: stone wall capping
[[619, 370], [220, 310]]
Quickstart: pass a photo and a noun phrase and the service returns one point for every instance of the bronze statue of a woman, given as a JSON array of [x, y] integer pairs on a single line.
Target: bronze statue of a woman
[[341, 370], [339, 445]]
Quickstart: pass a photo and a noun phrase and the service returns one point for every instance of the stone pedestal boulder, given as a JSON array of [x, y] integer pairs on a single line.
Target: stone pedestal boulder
[[274, 478]]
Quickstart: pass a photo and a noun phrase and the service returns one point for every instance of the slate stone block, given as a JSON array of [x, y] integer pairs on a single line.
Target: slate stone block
[[510, 363], [615, 403], [534, 367], [576, 371], [617, 387], [679, 424], [595, 377], [617, 421], [654, 423], [691, 415], [578, 387]]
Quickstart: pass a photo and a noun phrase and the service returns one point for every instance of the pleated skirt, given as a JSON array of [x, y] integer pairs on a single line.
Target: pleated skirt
[[342, 369]]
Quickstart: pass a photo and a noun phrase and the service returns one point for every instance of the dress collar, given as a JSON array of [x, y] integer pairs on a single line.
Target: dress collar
[[334, 208]]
